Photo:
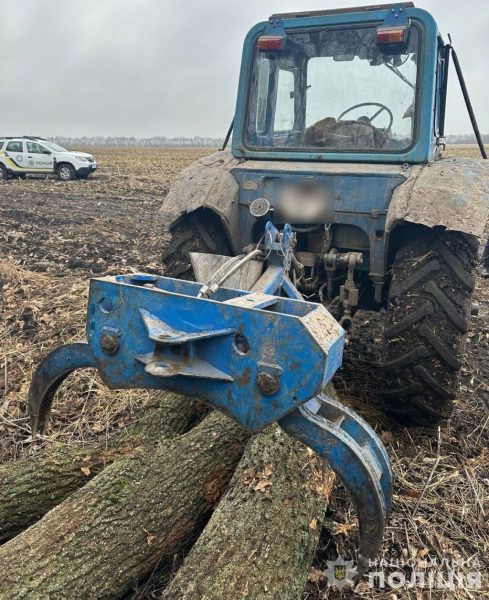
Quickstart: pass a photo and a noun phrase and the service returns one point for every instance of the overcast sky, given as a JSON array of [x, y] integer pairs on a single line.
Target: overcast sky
[[161, 67]]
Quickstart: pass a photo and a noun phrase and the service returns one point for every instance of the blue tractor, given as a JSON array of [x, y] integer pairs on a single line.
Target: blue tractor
[[339, 131], [334, 197]]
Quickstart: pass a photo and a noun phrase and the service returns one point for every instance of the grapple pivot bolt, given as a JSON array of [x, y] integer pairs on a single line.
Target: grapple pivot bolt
[[109, 343], [268, 384]]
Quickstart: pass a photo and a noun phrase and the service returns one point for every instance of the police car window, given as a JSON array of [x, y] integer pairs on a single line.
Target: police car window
[[14, 147], [34, 148]]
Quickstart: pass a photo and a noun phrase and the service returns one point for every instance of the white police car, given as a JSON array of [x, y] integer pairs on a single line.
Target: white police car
[[20, 156]]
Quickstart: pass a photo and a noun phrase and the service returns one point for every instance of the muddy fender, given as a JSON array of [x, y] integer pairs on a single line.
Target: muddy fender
[[207, 183], [452, 192]]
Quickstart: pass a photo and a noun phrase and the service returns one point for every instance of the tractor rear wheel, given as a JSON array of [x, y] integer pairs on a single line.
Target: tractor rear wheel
[[426, 327], [199, 232]]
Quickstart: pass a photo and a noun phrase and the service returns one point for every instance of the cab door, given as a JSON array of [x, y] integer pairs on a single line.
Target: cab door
[[39, 158]]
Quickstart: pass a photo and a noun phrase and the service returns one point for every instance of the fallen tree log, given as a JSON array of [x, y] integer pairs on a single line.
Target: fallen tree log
[[114, 530], [261, 539], [31, 486]]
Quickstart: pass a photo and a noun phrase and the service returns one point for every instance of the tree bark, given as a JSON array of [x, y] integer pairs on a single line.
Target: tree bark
[[114, 530], [260, 540], [31, 486]]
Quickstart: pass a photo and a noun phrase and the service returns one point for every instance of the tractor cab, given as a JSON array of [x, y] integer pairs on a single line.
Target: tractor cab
[[337, 137], [351, 85]]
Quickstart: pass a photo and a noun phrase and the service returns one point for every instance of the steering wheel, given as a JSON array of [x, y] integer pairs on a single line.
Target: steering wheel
[[383, 108]]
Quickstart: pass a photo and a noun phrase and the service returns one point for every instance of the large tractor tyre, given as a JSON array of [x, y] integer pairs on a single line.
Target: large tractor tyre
[[426, 326], [199, 232]]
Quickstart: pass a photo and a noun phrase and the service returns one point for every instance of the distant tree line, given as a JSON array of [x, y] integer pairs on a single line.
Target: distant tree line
[[153, 142], [466, 138], [196, 141]]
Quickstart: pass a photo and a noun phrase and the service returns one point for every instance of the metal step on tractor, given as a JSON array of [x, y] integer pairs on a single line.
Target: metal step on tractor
[[334, 197]]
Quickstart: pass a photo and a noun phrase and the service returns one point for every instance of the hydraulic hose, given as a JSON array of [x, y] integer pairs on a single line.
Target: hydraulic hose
[[225, 272]]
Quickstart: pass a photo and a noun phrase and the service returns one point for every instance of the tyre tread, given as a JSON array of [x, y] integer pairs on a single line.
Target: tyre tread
[[411, 319], [197, 233], [427, 322], [414, 278]]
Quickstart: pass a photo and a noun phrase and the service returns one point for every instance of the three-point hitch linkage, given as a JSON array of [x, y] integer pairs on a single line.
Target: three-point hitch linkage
[[261, 356]]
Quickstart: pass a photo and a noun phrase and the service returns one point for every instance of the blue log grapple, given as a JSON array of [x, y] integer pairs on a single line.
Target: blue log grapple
[[261, 355]]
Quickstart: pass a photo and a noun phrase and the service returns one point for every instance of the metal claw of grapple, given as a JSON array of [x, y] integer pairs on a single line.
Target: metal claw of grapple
[[49, 375], [357, 456]]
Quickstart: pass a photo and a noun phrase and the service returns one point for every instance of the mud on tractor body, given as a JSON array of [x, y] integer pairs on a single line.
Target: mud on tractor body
[[339, 130], [333, 197]]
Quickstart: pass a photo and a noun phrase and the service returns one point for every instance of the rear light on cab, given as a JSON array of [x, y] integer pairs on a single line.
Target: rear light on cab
[[270, 43], [391, 35]]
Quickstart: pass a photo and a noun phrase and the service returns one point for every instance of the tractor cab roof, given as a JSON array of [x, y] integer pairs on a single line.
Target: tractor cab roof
[[340, 11]]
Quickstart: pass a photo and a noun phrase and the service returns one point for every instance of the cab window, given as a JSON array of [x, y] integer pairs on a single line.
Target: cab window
[[262, 94], [334, 89], [284, 112], [15, 147]]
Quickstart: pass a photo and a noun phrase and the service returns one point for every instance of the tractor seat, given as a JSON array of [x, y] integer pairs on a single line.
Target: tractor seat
[[330, 133]]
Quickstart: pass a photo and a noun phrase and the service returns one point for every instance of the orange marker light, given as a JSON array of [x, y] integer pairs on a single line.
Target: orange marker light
[[391, 35], [268, 43]]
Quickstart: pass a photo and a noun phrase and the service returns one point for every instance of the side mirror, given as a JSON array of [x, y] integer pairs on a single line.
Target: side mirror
[[46, 151]]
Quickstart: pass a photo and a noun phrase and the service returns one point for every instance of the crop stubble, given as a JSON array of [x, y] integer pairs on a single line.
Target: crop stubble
[[54, 236]]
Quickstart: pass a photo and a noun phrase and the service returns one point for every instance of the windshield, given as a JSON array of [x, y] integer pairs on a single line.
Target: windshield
[[54, 147], [335, 90]]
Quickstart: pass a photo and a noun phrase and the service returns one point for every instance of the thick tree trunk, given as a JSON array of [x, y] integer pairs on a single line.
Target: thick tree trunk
[[260, 540], [31, 486], [107, 535]]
